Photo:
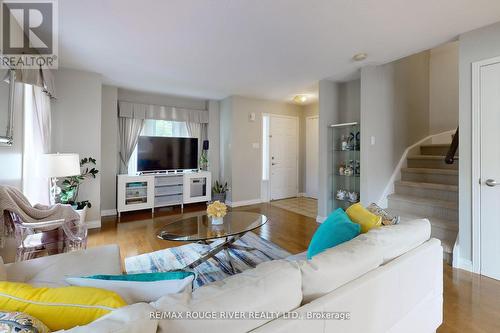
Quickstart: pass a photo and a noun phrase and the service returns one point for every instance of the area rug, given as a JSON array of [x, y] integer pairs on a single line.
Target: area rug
[[214, 269], [302, 205]]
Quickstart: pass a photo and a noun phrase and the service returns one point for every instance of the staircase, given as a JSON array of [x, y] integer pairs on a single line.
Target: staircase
[[429, 189]]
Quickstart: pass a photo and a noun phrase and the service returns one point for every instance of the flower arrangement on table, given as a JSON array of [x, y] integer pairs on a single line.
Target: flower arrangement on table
[[216, 211]]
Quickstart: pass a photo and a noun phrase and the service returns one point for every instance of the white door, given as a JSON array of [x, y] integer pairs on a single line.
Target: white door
[[489, 97], [283, 149], [312, 154]]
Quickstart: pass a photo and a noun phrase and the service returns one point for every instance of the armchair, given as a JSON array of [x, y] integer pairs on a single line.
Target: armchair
[[53, 229], [54, 237]]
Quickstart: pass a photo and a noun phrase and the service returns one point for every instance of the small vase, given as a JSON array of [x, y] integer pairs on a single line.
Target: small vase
[[217, 220]]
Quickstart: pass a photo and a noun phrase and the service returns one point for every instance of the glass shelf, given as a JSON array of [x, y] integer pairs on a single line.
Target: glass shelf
[[346, 151], [355, 176]]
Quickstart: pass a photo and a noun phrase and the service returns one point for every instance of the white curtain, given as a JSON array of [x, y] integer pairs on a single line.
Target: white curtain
[[161, 112], [199, 131], [37, 136], [129, 129]]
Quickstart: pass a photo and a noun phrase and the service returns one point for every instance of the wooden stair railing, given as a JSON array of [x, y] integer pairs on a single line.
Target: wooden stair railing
[[450, 155]]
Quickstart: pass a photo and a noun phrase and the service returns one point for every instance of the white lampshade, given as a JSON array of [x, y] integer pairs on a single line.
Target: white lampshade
[[62, 165]]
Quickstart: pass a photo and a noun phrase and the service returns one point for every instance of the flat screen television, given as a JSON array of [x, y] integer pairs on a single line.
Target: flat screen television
[[161, 153]]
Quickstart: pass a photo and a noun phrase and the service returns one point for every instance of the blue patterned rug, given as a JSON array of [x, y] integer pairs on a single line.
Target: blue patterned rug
[[216, 268]]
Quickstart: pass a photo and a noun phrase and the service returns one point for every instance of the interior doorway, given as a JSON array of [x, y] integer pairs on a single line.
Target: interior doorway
[[486, 168]]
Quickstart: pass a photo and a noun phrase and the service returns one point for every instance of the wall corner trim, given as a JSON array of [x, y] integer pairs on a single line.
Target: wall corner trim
[[93, 224], [244, 203], [320, 219], [108, 212]]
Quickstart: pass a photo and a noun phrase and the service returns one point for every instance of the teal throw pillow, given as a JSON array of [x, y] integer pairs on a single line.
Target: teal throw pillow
[[336, 229], [145, 277], [143, 287]]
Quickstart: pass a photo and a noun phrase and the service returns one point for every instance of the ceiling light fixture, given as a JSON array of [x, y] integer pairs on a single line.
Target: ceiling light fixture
[[300, 99], [360, 57]]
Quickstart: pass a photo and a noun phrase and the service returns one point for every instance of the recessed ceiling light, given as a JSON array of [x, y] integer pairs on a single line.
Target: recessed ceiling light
[[360, 57], [300, 99]]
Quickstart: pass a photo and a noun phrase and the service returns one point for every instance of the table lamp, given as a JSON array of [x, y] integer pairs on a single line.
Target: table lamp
[[60, 165]]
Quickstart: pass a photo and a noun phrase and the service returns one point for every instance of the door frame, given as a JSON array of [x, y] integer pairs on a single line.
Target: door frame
[[271, 115], [306, 135], [476, 161]]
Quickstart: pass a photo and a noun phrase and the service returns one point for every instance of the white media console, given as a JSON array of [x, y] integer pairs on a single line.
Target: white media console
[[152, 191]]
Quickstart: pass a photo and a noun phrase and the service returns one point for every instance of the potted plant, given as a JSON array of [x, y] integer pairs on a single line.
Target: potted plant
[[71, 185], [219, 191]]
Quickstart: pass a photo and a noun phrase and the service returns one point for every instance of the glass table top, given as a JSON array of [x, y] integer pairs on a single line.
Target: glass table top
[[199, 228]]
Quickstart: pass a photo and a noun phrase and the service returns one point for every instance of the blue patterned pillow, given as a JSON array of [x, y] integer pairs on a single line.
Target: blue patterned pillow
[[18, 322]]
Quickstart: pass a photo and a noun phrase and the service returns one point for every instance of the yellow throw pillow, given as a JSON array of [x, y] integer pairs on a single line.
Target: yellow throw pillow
[[59, 308], [360, 215]]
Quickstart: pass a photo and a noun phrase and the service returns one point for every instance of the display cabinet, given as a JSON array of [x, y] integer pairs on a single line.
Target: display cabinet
[[346, 164]]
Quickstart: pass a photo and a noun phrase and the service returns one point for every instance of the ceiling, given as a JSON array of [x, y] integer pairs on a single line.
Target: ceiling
[[270, 49]]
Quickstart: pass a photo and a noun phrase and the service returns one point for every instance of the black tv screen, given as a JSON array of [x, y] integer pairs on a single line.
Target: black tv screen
[[160, 153]]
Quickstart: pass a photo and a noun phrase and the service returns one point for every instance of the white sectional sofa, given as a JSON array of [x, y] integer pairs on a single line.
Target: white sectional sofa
[[387, 280]]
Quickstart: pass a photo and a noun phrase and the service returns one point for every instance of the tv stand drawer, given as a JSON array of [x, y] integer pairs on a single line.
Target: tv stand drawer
[[168, 180], [168, 200], [168, 190]]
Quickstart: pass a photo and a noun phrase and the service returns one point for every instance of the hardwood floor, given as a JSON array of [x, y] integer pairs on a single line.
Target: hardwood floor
[[471, 302]]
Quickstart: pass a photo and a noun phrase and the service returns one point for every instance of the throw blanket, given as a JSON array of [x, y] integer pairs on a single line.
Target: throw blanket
[[13, 201]]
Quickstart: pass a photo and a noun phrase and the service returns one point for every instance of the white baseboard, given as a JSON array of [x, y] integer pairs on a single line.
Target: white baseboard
[[320, 219], [94, 224], [302, 194], [108, 212], [459, 262], [464, 264], [244, 203]]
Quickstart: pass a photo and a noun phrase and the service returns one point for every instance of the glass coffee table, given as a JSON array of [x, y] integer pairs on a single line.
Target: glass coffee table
[[200, 229]]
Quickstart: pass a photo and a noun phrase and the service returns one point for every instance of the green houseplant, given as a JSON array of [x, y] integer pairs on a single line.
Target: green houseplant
[[219, 191], [71, 185]]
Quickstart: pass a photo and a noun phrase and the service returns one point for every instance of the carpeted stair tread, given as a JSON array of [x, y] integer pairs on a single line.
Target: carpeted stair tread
[[424, 201], [430, 186]]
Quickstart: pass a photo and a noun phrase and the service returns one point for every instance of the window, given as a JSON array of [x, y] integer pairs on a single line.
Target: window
[[154, 127], [265, 147], [165, 128]]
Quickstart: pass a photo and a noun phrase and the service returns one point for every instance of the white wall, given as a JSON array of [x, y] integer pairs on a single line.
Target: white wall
[[226, 133], [349, 101], [443, 88], [474, 46], [11, 158], [328, 114], [241, 163], [246, 160], [76, 126], [395, 112], [214, 138], [109, 148]]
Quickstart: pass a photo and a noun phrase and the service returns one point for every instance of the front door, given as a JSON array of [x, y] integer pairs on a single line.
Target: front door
[[283, 149], [489, 97]]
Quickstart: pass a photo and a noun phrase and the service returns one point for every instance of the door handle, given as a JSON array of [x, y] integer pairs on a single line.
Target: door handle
[[274, 163], [491, 182]]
